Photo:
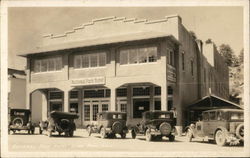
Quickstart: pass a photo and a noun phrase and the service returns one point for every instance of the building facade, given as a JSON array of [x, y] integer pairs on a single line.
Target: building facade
[[120, 64]]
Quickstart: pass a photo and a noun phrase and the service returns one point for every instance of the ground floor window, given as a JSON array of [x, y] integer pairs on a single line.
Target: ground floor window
[[105, 107], [73, 107], [123, 107], [55, 106], [157, 105], [170, 104], [86, 112], [95, 111], [140, 106]]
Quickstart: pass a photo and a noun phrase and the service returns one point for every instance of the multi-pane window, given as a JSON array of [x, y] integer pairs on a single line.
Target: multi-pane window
[[100, 93], [73, 94], [74, 107], [55, 95], [157, 90], [90, 60], [123, 107], [86, 112], [48, 64], [95, 111], [105, 107], [121, 92], [141, 91], [138, 55]]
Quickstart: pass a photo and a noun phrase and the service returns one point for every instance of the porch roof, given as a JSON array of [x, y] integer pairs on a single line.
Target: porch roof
[[213, 102], [101, 41]]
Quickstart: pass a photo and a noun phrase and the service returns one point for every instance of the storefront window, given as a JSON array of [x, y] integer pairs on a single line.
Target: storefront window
[[48, 64], [73, 94], [121, 92], [141, 91], [95, 111], [74, 107], [55, 106], [138, 55], [105, 107], [123, 107], [55, 95], [157, 90], [90, 60], [86, 112]]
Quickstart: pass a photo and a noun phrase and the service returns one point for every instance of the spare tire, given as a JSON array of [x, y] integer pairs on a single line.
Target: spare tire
[[240, 131], [117, 127], [18, 121], [65, 125], [165, 128]]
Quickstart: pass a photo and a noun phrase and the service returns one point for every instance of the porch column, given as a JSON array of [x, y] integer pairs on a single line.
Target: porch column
[[44, 99], [28, 99], [164, 97], [66, 101], [113, 99]]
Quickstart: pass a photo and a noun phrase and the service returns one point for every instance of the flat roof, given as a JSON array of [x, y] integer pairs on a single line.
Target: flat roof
[[101, 41], [226, 110]]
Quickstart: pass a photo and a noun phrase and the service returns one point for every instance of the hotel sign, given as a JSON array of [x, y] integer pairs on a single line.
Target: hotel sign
[[88, 81]]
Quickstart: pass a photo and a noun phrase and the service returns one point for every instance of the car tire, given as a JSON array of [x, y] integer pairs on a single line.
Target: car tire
[[103, 133], [240, 131], [71, 133], [220, 138], [171, 138], [89, 130], [123, 135], [148, 135], [189, 135], [133, 133]]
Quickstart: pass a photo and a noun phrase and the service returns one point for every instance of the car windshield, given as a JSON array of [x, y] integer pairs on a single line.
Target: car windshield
[[237, 116], [164, 116], [158, 115], [19, 113]]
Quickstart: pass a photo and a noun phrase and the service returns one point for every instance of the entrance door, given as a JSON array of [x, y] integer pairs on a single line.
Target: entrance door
[[140, 106]]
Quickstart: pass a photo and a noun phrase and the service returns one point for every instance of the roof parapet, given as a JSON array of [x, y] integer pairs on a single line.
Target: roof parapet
[[174, 16], [156, 21], [129, 20], [141, 21], [102, 19], [119, 18]]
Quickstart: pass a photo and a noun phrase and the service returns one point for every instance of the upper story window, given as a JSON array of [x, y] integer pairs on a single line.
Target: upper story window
[[183, 60], [90, 60], [48, 64], [138, 55], [170, 57], [192, 67]]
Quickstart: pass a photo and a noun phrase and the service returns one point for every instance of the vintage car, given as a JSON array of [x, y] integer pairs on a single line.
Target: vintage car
[[109, 124], [155, 125], [225, 126], [61, 122], [20, 119]]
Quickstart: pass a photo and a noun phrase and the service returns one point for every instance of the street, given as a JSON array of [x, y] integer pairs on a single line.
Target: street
[[81, 142]]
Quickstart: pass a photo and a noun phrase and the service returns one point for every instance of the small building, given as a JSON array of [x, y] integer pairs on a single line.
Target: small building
[[119, 64]]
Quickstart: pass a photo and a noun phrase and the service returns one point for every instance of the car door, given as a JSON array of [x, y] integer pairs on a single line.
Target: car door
[[211, 125]]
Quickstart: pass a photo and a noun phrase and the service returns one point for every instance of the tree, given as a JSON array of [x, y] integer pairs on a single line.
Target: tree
[[209, 41], [241, 56], [227, 52]]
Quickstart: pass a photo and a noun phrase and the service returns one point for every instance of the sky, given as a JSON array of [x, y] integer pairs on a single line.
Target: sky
[[224, 25]]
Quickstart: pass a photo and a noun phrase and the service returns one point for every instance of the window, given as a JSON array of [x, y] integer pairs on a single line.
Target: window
[[55, 106], [95, 111], [205, 116], [55, 95], [121, 92], [48, 64], [138, 55], [144, 91], [123, 107], [73, 94], [170, 56], [157, 90], [212, 116], [99, 93], [86, 112], [74, 107], [90, 60], [157, 105], [192, 67], [183, 60], [105, 107]]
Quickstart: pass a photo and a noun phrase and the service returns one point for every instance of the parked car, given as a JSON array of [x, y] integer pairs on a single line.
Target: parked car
[[155, 125], [20, 119], [61, 122], [109, 124], [225, 126]]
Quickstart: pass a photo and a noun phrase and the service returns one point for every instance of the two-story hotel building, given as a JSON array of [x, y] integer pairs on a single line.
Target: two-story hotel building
[[119, 64]]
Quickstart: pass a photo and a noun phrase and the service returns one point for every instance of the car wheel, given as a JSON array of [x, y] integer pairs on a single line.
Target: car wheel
[[220, 138], [123, 135], [89, 130], [40, 130], [133, 134], [240, 131], [148, 135], [189, 135], [103, 133], [71, 133], [171, 138], [49, 133]]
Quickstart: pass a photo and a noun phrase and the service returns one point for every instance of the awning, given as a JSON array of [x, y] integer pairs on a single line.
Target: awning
[[119, 38], [213, 102]]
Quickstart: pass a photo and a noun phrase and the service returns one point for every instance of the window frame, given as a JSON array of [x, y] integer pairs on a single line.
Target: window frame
[[47, 59], [89, 54]]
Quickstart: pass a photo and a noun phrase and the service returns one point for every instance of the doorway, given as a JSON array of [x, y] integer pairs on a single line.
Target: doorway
[[140, 106]]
